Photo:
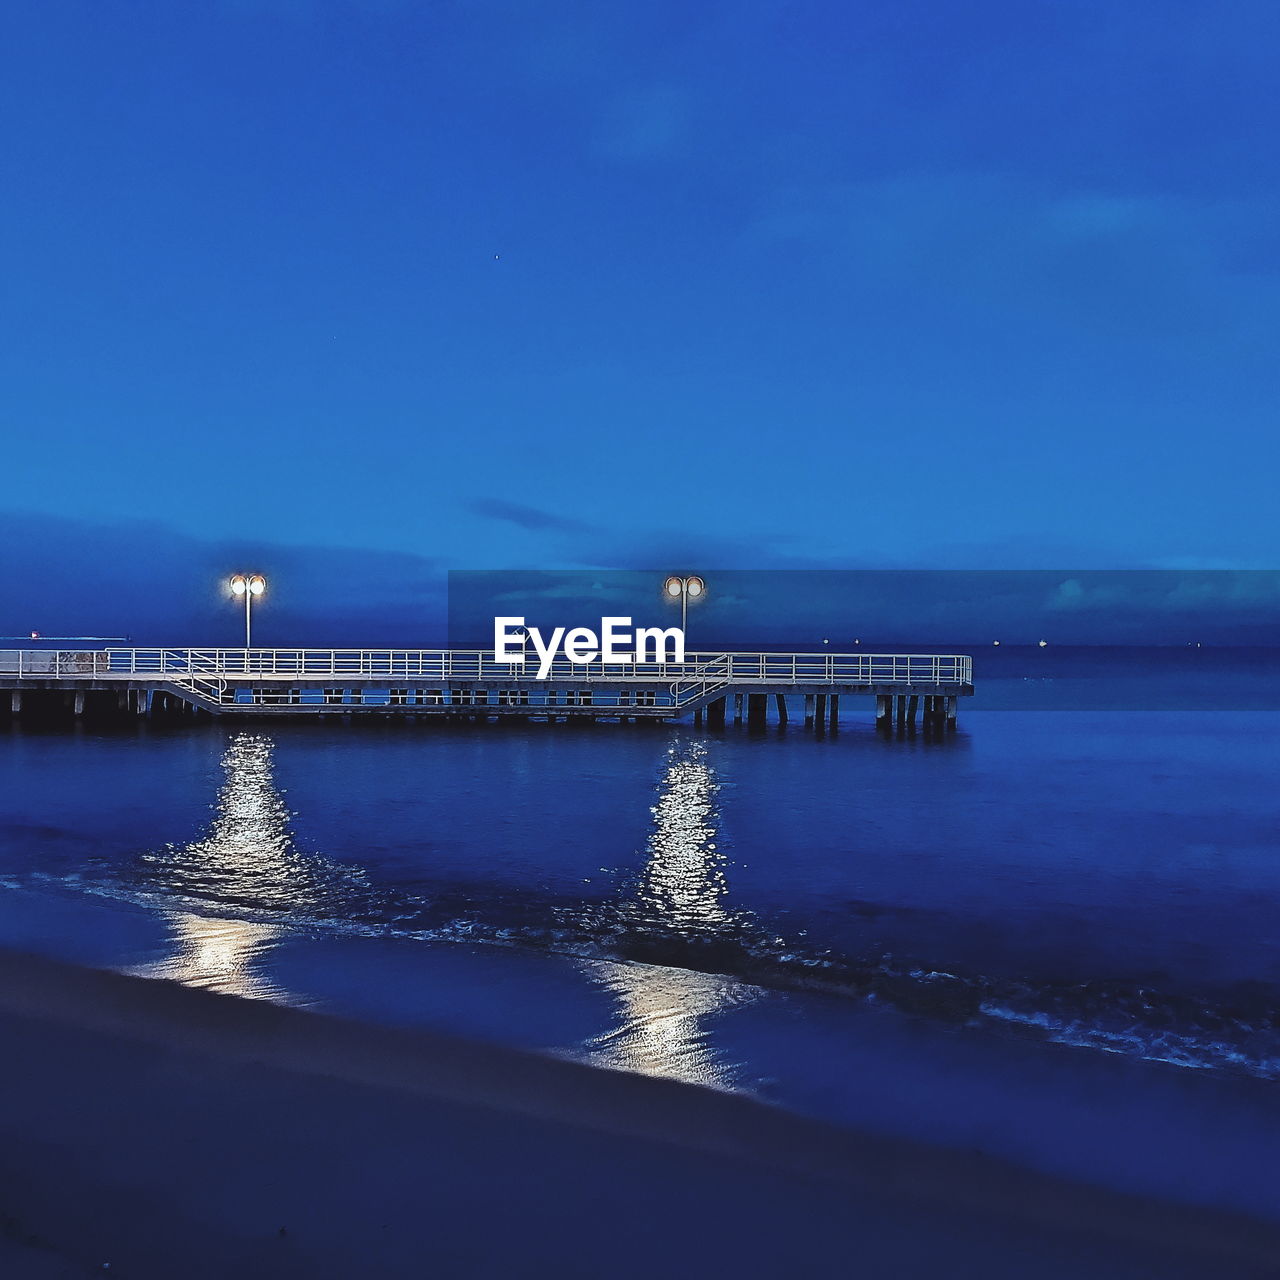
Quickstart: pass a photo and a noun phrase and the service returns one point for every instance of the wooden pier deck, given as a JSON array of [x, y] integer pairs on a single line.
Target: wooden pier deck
[[455, 683]]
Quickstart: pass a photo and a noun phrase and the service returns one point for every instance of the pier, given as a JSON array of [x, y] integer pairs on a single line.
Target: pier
[[711, 688]]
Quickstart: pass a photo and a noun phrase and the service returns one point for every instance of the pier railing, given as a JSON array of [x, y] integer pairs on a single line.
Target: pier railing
[[698, 672]]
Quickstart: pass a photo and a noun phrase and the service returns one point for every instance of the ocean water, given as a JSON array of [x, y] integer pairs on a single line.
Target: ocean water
[[1052, 934]]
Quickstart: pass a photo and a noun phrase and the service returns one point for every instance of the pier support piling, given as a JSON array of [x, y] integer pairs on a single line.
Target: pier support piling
[[808, 711], [782, 707]]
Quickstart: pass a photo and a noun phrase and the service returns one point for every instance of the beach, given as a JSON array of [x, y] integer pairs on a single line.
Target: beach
[[163, 1131]]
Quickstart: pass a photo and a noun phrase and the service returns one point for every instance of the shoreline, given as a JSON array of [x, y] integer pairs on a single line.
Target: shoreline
[[112, 1085]]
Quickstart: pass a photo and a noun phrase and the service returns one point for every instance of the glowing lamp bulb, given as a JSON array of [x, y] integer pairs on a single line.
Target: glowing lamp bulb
[[238, 586], [695, 588], [257, 584], [673, 586]]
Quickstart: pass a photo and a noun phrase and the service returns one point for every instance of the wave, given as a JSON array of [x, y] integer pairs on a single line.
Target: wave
[[1235, 1030], [674, 911]]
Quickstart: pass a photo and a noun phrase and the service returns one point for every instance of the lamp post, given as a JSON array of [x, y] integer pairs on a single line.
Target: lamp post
[[684, 590], [517, 668], [248, 585]]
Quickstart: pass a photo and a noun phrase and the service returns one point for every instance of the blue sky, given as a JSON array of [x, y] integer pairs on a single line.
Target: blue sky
[[397, 287]]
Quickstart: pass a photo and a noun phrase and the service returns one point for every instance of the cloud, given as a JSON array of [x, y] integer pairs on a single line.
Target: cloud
[[1072, 596], [645, 123], [1210, 597], [533, 519], [1119, 261], [691, 551], [157, 586], [934, 607], [576, 544]]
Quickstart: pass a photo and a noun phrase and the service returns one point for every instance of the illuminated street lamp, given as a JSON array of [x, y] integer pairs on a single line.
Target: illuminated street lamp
[[248, 585], [684, 590]]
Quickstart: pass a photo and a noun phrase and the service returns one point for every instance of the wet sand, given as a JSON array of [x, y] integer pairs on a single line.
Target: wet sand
[[171, 1132]]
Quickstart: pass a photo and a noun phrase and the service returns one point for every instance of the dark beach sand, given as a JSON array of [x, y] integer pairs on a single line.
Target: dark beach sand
[[177, 1135]]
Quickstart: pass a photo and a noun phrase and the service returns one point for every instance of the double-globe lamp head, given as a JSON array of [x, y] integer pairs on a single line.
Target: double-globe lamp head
[[690, 588], [253, 584]]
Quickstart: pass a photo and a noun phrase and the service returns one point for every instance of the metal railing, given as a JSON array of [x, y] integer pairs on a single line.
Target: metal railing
[[690, 679]]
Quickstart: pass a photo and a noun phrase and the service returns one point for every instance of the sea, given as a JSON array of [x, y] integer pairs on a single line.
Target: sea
[[1052, 935]]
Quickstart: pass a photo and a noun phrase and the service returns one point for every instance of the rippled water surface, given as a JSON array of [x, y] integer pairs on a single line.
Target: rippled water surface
[[726, 908]]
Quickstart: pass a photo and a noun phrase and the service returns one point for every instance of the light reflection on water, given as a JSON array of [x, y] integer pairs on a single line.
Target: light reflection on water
[[661, 1022], [665, 948], [662, 1011], [1148, 827], [682, 883], [220, 955], [248, 855]]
